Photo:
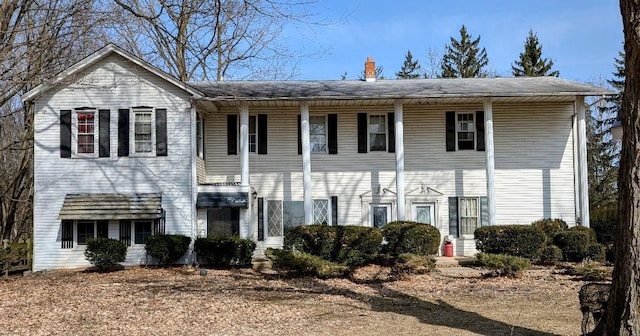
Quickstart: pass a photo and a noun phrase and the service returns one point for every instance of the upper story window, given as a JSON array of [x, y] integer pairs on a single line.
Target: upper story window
[[318, 134], [377, 133], [86, 138], [465, 130], [253, 134], [200, 136], [143, 131]]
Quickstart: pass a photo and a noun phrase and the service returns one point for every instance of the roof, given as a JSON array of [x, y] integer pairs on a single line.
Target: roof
[[97, 56], [101, 206], [395, 89]]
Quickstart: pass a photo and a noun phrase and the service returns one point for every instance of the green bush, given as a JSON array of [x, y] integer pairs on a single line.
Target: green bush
[[515, 240], [574, 244], [504, 265], [105, 253], [551, 227], [550, 255], [224, 251], [604, 222], [411, 237], [589, 271], [407, 264], [592, 234], [166, 249], [349, 245], [294, 263], [595, 252]]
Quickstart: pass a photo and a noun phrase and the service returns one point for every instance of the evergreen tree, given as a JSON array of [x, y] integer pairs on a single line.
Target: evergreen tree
[[531, 63], [464, 58], [409, 68]]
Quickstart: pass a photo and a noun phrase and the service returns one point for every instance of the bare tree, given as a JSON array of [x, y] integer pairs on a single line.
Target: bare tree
[[37, 40], [211, 39], [622, 316]]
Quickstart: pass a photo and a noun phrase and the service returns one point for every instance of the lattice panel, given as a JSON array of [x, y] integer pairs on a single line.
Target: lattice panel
[[321, 212], [274, 215]]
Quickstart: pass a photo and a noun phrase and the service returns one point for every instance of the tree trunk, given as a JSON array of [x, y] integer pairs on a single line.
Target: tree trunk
[[623, 311]]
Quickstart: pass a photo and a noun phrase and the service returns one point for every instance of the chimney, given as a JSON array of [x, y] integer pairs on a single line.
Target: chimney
[[370, 70]]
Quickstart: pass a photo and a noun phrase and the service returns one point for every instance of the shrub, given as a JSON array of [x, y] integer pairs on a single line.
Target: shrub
[[595, 252], [166, 249], [411, 237], [504, 265], [589, 271], [591, 234], [515, 240], [551, 227], [105, 253], [574, 244], [295, 263], [407, 264], [604, 222], [224, 251], [350, 245], [550, 255]]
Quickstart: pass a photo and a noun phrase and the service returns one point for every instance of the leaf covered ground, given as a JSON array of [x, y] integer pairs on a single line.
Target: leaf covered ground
[[179, 301]]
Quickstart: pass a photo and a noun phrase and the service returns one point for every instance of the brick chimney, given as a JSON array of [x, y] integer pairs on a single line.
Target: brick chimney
[[370, 70]]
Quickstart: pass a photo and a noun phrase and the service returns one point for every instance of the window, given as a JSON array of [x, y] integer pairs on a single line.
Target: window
[[284, 215], [200, 136], [86, 137], [143, 130], [380, 215], [468, 215], [318, 134], [253, 134], [142, 230], [84, 232], [423, 213], [224, 221], [465, 131], [377, 133]]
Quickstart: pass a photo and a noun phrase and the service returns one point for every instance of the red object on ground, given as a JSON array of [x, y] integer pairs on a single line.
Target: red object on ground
[[448, 249]]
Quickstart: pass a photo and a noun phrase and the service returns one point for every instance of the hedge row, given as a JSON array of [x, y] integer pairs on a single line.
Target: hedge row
[[224, 251], [167, 248]]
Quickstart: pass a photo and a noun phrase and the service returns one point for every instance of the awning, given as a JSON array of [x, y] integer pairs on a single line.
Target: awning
[[222, 200], [111, 206]]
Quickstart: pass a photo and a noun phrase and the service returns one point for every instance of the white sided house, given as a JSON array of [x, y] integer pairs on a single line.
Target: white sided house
[[123, 150]]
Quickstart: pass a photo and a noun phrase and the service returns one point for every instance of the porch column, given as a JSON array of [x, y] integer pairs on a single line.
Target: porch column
[[490, 162], [582, 162], [399, 129], [245, 214], [306, 163]]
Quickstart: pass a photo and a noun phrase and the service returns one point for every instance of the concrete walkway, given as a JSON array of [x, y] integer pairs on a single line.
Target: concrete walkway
[[454, 261]]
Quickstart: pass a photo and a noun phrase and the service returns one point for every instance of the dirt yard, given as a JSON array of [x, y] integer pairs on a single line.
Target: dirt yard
[[178, 301]]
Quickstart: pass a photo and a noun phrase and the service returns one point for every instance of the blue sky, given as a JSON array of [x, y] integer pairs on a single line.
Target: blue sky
[[582, 37]]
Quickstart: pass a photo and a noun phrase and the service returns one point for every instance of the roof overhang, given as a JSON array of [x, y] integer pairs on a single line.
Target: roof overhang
[[101, 54], [102, 206], [221, 199]]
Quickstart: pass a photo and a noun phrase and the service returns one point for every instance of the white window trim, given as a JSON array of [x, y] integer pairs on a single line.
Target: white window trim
[[475, 130], [132, 132], [386, 132], [326, 137], [389, 207], [478, 216], [414, 212], [265, 214], [74, 133], [255, 151]]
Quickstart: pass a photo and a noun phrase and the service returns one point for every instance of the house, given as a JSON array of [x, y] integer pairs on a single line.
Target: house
[[123, 150]]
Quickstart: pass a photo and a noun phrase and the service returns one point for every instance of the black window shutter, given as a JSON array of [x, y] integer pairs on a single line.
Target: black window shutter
[[65, 135], [332, 133], [480, 131], [334, 210], [451, 131], [161, 132], [260, 219], [232, 134], [299, 134], [391, 122], [362, 133], [123, 132], [484, 211], [67, 234], [262, 134], [104, 118], [125, 231], [453, 216]]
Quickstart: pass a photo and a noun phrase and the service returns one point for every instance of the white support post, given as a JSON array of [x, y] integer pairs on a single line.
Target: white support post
[[490, 162], [576, 170], [245, 214], [306, 163], [582, 163], [399, 129]]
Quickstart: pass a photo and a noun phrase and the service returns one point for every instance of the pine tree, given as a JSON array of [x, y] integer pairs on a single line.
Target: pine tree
[[409, 68], [464, 58], [531, 63]]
